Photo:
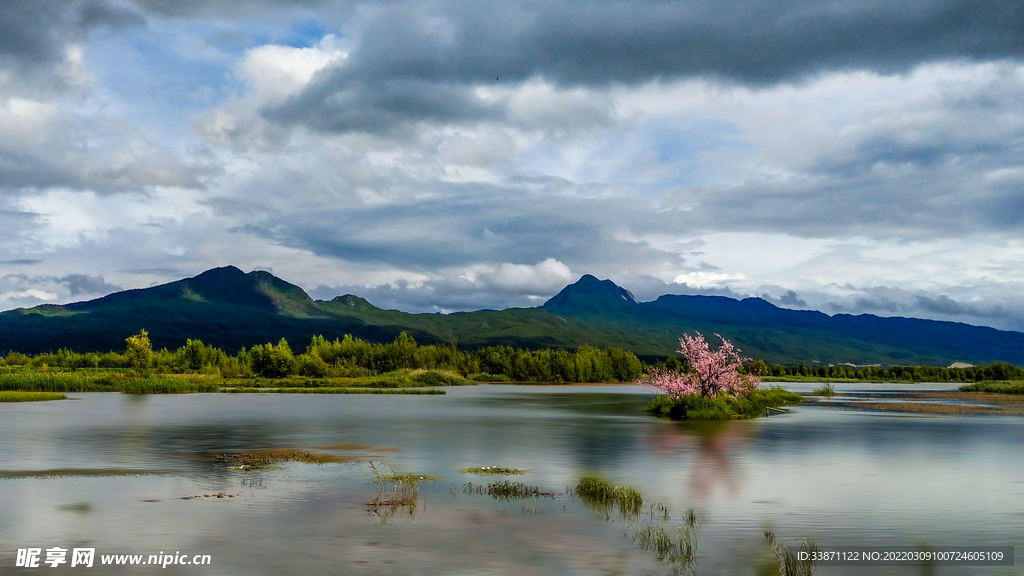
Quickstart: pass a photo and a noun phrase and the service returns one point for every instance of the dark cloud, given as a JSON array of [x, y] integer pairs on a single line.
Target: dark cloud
[[411, 60], [35, 36], [19, 262], [465, 225], [789, 299], [85, 284], [943, 304]]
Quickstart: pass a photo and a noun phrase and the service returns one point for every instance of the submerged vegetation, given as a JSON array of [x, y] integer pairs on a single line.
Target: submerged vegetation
[[600, 494], [506, 490], [16, 396], [494, 471]]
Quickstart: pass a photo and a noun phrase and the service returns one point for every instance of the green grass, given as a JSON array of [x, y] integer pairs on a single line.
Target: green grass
[[506, 490], [601, 494], [491, 377], [827, 389], [414, 391], [721, 407], [17, 396], [165, 386], [995, 387], [55, 382], [493, 471]]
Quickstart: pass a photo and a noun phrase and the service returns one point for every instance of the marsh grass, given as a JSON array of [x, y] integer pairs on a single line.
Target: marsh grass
[[165, 386], [254, 460], [87, 382], [789, 562], [506, 490], [429, 392], [493, 471], [995, 387], [827, 389], [491, 377], [676, 546], [18, 396], [395, 492], [599, 494], [722, 407]]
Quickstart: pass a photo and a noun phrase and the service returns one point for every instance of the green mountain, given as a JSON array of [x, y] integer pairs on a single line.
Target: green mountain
[[228, 308]]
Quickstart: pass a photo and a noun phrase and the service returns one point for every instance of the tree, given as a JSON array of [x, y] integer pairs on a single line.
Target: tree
[[709, 372], [139, 353]]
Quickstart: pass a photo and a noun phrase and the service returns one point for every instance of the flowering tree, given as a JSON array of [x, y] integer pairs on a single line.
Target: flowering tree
[[710, 371]]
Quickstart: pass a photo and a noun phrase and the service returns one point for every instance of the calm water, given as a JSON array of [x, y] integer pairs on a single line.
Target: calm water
[[836, 476]]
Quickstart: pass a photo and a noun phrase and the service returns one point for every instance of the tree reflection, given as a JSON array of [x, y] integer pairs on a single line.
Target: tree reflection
[[714, 445]]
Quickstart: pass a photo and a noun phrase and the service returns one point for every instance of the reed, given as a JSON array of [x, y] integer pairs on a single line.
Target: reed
[[789, 562], [18, 396], [430, 392], [506, 490], [1003, 387], [827, 389], [600, 494]]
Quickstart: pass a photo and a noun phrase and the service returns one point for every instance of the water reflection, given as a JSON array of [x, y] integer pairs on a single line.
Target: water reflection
[[712, 447]]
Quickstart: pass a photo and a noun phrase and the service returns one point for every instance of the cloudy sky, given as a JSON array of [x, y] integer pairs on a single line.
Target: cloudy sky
[[846, 156]]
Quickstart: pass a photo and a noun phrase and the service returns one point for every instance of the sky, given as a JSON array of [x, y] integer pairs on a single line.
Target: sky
[[860, 156]]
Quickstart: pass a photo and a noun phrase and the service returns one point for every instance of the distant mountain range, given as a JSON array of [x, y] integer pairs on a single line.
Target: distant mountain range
[[230, 309]]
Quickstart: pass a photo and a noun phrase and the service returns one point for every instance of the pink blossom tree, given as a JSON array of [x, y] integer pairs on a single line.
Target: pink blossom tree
[[710, 372]]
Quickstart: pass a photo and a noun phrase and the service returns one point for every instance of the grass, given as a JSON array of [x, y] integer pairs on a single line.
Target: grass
[[995, 387], [18, 396], [395, 492], [721, 407], [409, 478], [789, 562], [79, 382], [252, 460], [827, 389], [491, 377], [601, 494], [332, 391], [506, 490], [165, 386], [677, 546], [494, 471]]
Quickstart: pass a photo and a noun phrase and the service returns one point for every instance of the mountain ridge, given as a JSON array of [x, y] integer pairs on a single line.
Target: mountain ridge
[[230, 308]]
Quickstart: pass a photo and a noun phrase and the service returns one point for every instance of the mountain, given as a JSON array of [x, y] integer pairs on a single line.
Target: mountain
[[229, 308]]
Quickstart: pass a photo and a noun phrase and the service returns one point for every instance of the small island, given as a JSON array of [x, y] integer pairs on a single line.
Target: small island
[[712, 387]]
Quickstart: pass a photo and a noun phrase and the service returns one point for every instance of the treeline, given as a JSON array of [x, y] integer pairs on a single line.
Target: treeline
[[352, 357], [996, 371]]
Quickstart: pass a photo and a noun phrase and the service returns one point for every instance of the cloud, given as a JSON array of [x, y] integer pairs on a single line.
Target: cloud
[[501, 285], [414, 62], [22, 290]]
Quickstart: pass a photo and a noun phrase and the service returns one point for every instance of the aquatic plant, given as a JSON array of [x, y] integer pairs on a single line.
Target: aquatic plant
[[826, 389], [395, 492], [494, 471], [677, 546], [254, 460], [242, 390], [600, 494], [15, 396], [995, 387], [789, 561], [506, 490]]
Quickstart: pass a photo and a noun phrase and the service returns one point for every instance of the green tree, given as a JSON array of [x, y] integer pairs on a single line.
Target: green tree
[[139, 353]]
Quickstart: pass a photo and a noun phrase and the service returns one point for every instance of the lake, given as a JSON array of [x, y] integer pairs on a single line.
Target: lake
[[137, 475]]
